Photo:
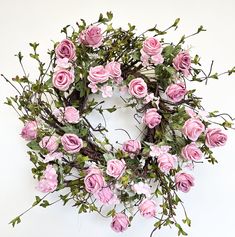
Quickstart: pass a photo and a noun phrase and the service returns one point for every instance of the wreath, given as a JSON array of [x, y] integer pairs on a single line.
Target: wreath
[[151, 75]]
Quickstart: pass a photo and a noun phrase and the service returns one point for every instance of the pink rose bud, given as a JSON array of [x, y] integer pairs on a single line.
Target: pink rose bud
[[114, 69], [138, 88], [94, 180], [193, 128], [71, 143], [49, 182], [182, 62], [91, 37], [131, 146], [192, 152], [66, 49], [120, 222], [29, 131], [166, 162], [148, 208], [49, 143], [71, 115], [184, 182], [176, 92], [116, 168], [98, 74], [151, 118], [62, 79], [106, 196], [215, 137]]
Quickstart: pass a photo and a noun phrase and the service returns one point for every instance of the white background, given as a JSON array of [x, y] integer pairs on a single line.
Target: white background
[[210, 204]]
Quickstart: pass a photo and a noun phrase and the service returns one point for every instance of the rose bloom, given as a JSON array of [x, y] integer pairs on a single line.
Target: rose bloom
[[120, 222], [114, 69], [29, 131], [166, 162], [147, 208], [49, 143], [152, 46], [66, 49], [62, 79], [98, 74], [94, 180], [193, 128], [184, 182], [182, 62], [191, 152], [71, 143], [151, 118], [215, 137], [176, 92], [106, 196], [116, 168], [91, 37], [138, 88], [71, 114], [131, 146]]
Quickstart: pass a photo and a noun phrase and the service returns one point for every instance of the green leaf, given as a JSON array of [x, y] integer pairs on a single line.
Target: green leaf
[[15, 221], [33, 145]]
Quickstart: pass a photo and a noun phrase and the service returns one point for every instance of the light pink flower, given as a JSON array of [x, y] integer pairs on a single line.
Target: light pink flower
[[182, 62], [190, 112], [59, 114], [66, 49], [106, 196], [71, 115], [157, 59], [142, 188], [71, 143], [62, 79], [120, 222], [94, 87], [49, 143], [116, 168], [215, 137], [91, 37], [152, 46], [148, 98], [62, 63], [94, 180], [138, 88], [148, 208], [166, 162], [151, 118], [193, 128], [114, 69], [107, 91], [98, 74], [192, 152], [155, 151], [53, 156], [184, 182], [123, 90], [131, 146], [176, 92], [29, 131]]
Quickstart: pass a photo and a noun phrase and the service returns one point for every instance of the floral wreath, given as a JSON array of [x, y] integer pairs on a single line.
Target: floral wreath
[[144, 175]]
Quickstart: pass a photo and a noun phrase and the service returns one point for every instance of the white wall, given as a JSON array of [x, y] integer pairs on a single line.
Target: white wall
[[210, 204]]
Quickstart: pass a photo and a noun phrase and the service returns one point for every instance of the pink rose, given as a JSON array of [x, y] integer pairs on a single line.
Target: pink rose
[[152, 46], [98, 74], [155, 150], [49, 143], [114, 69], [66, 49], [166, 162], [215, 137], [182, 62], [94, 88], [191, 152], [106, 196], [184, 182], [48, 183], [62, 79], [94, 180], [148, 208], [193, 128], [29, 131], [120, 222], [138, 88], [116, 168], [91, 37], [71, 143], [107, 91], [71, 114], [176, 92], [151, 118], [131, 146]]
